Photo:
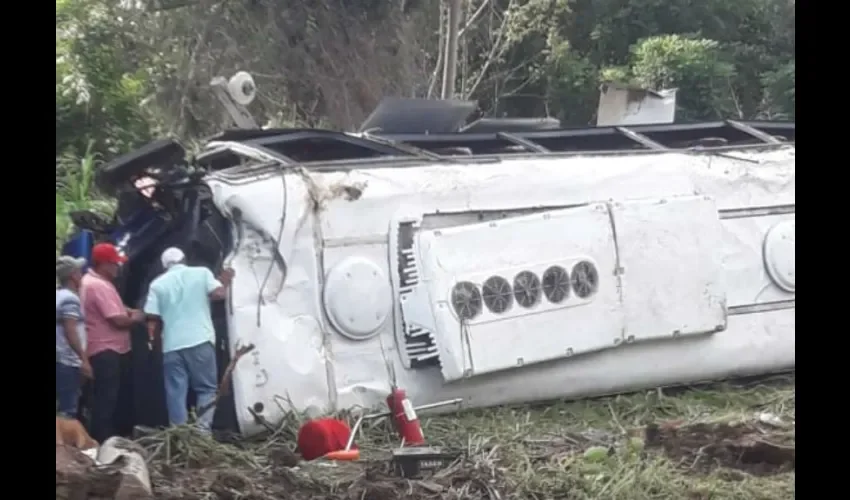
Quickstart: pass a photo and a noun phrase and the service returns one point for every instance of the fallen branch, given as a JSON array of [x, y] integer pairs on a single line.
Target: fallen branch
[[225, 380]]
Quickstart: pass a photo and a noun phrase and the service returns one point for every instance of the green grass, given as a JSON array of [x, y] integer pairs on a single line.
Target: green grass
[[596, 449], [542, 449]]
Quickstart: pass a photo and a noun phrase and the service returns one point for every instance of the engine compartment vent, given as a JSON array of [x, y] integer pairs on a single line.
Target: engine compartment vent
[[419, 343]]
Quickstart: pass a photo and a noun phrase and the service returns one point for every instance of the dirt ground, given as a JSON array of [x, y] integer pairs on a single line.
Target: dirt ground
[[735, 442], [705, 447]]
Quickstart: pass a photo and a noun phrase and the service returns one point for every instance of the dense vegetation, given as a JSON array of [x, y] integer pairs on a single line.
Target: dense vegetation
[[127, 71]]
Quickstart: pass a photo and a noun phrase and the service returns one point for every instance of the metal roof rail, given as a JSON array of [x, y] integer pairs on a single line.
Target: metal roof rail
[[407, 148], [639, 138], [594, 139], [323, 148], [758, 134]]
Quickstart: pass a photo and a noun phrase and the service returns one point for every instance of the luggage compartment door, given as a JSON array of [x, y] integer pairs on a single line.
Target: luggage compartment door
[[669, 254]]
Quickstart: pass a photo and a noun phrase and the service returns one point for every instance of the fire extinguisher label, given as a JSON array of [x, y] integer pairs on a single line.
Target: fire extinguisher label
[[409, 412]]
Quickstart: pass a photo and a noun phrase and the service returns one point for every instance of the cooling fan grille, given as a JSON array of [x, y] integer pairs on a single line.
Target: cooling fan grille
[[466, 300], [556, 284], [527, 289], [585, 279], [497, 293]]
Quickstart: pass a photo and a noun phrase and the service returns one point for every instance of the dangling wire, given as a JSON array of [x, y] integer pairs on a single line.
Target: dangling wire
[[275, 245], [388, 364], [466, 345]]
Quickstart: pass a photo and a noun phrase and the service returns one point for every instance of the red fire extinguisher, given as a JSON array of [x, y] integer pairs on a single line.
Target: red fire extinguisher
[[404, 418]]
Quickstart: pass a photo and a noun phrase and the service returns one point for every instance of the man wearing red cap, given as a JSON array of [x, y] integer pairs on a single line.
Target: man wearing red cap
[[108, 324]]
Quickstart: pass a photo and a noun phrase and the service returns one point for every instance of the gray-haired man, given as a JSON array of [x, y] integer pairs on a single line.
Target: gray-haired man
[[71, 361], [179, 302]]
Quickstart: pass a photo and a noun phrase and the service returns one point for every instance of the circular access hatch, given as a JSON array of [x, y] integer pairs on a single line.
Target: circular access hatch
[[780, 255], [358, 298]]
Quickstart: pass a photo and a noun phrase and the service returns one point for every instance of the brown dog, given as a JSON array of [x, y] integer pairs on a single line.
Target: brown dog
[[70, 432]]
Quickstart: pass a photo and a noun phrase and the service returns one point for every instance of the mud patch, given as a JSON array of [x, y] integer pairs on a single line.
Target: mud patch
[[703, 447]]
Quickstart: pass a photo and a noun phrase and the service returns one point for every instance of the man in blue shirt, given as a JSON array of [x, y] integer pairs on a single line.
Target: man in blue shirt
[[71, 360], [179, 301]]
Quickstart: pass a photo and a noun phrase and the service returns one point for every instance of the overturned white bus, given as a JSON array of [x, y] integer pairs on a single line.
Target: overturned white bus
[[494, 263]]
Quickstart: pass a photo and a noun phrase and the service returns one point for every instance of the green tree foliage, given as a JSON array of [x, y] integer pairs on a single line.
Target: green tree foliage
[[100, 85], [694, 65], [75, 190], [126, 71], [729, 58]]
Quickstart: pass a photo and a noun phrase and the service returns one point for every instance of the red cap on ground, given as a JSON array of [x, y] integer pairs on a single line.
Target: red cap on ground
[[317, 438], [106, 253]]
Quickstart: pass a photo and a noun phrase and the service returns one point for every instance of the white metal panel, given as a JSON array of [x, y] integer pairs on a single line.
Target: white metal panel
[[360, 376], [742, 258], [520, 335], [672, 277], [753, 344], [620, 105], [737, 179]]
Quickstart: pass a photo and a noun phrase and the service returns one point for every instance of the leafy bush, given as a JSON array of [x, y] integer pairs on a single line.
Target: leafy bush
[[75, 190]]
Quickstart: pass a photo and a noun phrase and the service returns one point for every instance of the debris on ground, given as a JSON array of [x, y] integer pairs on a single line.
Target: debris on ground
[[78, 477], [701, 444], [118, 471]]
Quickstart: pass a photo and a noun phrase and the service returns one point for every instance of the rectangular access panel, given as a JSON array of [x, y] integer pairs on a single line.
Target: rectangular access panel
[[503, 294], [671, 274]]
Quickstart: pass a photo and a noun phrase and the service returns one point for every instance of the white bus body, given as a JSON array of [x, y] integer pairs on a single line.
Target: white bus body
[[619, 272]]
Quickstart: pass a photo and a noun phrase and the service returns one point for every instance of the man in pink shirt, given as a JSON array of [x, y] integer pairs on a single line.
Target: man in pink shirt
[[108, 324]]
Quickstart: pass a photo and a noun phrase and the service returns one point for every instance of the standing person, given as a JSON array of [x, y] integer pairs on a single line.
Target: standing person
[[108, 324], [72, 364], [179, 299]]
